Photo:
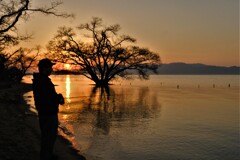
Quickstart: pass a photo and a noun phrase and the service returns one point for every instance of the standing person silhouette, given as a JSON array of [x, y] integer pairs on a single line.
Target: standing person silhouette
[[46, 102]]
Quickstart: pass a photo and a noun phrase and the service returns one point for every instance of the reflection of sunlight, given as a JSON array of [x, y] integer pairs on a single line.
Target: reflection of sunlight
[[68, 91], [65, 116], [68, 86]]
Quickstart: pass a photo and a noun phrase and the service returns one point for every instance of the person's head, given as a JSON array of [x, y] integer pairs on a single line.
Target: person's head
[[45, 66]]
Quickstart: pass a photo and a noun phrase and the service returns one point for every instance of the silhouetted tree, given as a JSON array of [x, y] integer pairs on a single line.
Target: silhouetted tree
[[12, 12], [102, 55], [15, 65]]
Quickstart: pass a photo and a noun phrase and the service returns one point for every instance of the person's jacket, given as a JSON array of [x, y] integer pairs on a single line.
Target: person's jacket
[[45, 96]]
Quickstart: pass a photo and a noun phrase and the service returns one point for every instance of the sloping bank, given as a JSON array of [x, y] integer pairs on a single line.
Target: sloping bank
[[19, 129]]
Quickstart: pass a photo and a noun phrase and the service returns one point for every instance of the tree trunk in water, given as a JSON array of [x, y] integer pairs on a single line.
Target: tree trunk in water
[[101, 83]]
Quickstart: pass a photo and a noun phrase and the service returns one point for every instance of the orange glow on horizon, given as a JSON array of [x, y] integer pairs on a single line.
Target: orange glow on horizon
[[67, 66]]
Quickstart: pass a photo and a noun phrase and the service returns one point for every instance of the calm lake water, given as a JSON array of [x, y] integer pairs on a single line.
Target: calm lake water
[[166, 118]]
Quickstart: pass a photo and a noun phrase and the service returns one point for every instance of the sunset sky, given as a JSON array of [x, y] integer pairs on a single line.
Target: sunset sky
[[191, 31]]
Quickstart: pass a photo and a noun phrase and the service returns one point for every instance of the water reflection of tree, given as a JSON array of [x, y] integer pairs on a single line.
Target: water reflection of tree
[[121, 104]]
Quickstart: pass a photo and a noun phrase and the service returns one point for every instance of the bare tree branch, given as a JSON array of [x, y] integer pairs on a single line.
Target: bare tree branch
[[10, 16]]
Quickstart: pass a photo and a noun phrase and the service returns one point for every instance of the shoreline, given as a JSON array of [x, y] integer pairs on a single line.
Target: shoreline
[[19, 128]]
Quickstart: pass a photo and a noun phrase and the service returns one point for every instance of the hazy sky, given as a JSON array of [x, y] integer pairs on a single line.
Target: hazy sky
[[191, 31]]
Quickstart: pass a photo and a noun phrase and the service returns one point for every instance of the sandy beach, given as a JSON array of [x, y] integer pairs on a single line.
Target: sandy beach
[[19, 129]]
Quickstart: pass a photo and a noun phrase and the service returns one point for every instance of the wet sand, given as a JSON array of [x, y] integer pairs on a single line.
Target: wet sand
[[19, 129]]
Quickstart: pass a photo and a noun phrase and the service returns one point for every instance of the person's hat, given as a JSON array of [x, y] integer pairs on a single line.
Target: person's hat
[[45, 63]]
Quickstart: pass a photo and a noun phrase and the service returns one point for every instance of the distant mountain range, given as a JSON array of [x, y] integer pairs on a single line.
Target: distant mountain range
[[183, 68]]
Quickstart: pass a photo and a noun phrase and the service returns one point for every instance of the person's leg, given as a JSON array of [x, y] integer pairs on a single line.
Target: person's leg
[[53, 131], [49, 126]]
